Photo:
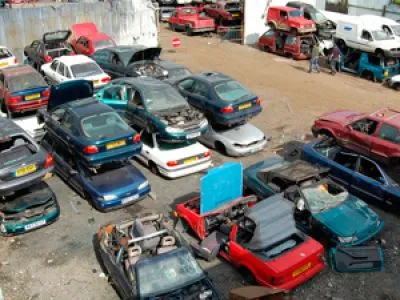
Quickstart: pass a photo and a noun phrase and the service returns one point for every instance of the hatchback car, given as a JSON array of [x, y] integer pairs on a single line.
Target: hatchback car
[[7, 59], [223, 100]]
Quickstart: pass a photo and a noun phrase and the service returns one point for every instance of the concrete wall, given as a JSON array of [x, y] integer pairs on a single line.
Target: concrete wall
[[127, 21]]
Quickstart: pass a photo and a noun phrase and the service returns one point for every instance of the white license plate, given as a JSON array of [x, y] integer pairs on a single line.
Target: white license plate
[[130, 199], [35, 224], [193, 135]]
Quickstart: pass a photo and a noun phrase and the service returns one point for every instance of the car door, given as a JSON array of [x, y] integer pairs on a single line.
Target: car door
[[51, 74], [386, 143], [116, 65], [365, 41], [282, 22], [115, 95], [66, 131], [342, 167], [135, 112], [53, 122], [2, 87], [268, 40], [60, 73], [361, 135], [291, 46], [196, 92]]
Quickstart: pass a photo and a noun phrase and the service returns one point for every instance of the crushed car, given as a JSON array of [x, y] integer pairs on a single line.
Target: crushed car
[[145, 259], [188, 19], [7, 59], [289, 19]]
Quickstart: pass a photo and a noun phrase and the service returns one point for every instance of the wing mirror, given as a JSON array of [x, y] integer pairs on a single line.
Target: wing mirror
[[300, 205]]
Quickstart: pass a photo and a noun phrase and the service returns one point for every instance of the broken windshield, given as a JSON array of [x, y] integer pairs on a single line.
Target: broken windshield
[[324, 196], [162, 98]]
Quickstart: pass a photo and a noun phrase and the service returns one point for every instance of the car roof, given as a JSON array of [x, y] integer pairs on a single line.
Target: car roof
[[213, 77], [382, 20], [9, 128], [74, 59], [299, 4], [284, 8], [142, 82], [87, 107], [389, 115], [16, 70]]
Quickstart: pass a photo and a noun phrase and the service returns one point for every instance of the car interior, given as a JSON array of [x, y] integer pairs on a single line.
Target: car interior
[[366, 126]]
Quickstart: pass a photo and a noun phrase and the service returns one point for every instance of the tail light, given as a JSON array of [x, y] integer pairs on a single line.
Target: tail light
[[91, 149], [15, 60], [48, 58], [46, 93], [49, 161], [258, 102], [73, 53], [136, 138], [172, 163], [207, 154], [14, 99], [106, 79], [227, 109]]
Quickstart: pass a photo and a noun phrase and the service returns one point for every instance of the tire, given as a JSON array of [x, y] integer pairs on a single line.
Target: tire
[[153, 168], [189, 30], [380, 53], [171, 26], [394, 161], [248, 276], [266, 49], [368, 75], [220, 147], [396, 86]]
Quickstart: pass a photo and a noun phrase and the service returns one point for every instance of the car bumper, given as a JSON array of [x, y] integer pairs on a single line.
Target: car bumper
[[238, 117], [203, 29], [389, 53], [306, 30], [115, 154], [185, 170], [26, 106], [365, 237], [180, 137], [243, 151]]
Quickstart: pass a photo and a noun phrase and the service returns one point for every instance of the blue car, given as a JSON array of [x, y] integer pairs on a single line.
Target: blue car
[[89, 129], [359, 174], [321, 206], [224, 100], [110, 186]]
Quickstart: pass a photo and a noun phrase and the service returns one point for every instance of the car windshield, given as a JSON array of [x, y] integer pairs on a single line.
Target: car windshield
[[179, 72], [104, 126], [103, 44], [324, 196], [318, 17], [295, 13], [380, 35], [14, 150], [163, 98], [86, 70], [231, 91], [4, 53], [166, 273], [188, 11], [396, 29], [25, 81]]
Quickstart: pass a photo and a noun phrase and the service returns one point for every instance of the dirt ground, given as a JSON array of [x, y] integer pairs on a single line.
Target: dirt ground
[[58, 262]]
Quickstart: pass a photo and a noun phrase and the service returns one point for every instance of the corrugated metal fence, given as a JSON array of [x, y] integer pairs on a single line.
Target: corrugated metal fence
[[128, 22]]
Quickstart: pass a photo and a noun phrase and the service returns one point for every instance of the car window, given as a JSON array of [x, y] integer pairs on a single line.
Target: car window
[[371, 170], [366, 35], [101, 56], [67, 72], [67, 121], [115, 60], [186, 85], [54, 65], [104, 126], [115, 92], [135, 98], [147, 139], [86, 70], [346, 159], [291, 40], [25, 81], [230, 91], [374, 60], [269, 33], [389, 133], [58, 114], [366, 126], [283, 14], [61, 69], [200, 89], [307, 15]]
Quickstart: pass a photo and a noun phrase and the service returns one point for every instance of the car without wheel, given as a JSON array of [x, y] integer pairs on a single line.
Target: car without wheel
[[7, 59]]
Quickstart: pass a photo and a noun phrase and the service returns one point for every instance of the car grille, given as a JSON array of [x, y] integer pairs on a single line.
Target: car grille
[[250, 144], [32, 212]]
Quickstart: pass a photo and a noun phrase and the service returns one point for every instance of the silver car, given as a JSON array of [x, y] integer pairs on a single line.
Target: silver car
[[237, 141]]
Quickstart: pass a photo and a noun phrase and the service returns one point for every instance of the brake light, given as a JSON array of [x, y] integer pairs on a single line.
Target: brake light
[[207, 154], [48, 58], [172, 163], [46, 93], [136, 138], [14, 99], [106, 79], [91, 149], [15, 60], [49, 161], [258, 102], [227, 109]]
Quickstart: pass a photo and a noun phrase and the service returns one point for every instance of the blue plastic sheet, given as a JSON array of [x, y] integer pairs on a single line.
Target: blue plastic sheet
[[220, 186]]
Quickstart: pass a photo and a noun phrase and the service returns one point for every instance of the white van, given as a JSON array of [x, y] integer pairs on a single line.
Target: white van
[[388, 25]]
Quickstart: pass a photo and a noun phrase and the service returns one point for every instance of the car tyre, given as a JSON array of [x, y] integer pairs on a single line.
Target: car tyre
[[220, 147], [396, 86], [272, 26], [293, 30], [189, 30], [248, 276], [153, 168]]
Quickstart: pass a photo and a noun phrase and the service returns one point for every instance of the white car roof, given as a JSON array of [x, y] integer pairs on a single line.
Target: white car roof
[[381, 20], [74, 59]]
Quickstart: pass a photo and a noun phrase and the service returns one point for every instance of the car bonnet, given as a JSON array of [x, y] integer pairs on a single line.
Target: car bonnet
[[69, 91]]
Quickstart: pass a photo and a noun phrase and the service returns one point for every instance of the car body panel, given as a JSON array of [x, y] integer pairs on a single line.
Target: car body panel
[[188, 18], [224, 12]]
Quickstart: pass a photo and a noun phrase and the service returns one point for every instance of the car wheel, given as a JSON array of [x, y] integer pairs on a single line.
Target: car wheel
[[189, 30], [396, 86], [248, 276], [368, 75], [153, 168], [9, 113], [272, 26], [293, 30], [267, 49], [220, 147]]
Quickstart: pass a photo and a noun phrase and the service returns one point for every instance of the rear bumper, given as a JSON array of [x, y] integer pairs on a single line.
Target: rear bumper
[[203, 29], [25, 106], [186, 170], [109, 156], [237, 117]]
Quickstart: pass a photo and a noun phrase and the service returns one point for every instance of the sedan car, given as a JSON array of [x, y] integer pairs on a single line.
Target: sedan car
[[66, 68], [28, 209], [7, 59], [22, 161], [52, 45], [152, 263], [322, 207], [109, 186], [155, 106], [89, 129], [240, 140], [22, 89], [224, 100], [359, 174]]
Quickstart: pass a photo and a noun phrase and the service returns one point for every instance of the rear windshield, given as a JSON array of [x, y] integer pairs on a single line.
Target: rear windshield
[[14, 150], [86, 70], [231, 91], [4, 53], [103, 44], [104, 126], [174, 146], [25, 81], [188, 11]]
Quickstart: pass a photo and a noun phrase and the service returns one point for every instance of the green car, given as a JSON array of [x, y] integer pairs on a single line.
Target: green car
[[28, 209]]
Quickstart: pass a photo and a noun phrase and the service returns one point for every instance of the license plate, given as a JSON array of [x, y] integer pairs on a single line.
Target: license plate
[[130, 199], [96, 82], [4, 64], [244, 106], [35, 224], [236, 15], [255, 149], [25, 170], [301, 270], [193, 135], [190, 160], [115, 144], [32, 97]]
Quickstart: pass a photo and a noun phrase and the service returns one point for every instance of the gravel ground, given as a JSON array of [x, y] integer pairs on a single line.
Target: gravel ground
[[58, 262]]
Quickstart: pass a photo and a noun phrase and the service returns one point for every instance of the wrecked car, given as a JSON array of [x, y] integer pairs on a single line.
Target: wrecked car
[[22, 161], [87, 128], [146, 260], [52, 45], [222, 99], [7, 59], [225, 13], [322, 207], [261, 238], [188, 19], [155, 106], [28, 209]]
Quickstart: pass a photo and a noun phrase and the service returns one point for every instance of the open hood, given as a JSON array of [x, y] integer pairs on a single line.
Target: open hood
[[84, 29], [145, 54], [69, 91], [56, 36]]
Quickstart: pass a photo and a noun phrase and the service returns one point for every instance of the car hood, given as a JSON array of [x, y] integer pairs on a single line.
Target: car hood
[[244, 134], [351, 218], [56, 36], [84, 29], [341, 116], [69, 91], [145, 54]]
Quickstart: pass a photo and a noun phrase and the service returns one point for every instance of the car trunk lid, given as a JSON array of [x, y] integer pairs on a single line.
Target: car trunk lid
[[69, 91], [58, 36]]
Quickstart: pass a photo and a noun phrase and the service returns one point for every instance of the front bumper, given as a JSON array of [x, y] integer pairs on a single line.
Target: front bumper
[[364, 238], [243, 151], [306, 30], [185, 170], [180, 137], [389, 53], [203, 29]]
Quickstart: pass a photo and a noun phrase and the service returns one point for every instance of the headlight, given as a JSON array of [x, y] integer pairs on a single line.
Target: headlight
[[108, 197], [143, 185], [173, 130], [348, 239], [165, 73]]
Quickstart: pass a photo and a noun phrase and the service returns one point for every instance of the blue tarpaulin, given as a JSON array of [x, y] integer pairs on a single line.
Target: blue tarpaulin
[[221, 185]]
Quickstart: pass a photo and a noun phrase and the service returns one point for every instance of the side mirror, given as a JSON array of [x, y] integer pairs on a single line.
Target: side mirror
[[300, 205]]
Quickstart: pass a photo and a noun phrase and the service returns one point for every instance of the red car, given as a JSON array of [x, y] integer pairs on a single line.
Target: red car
[[376, 135], [225, 12], [188, 19], [289, 19], [22, 88], [298, 47], [87, 39], [261, 240]]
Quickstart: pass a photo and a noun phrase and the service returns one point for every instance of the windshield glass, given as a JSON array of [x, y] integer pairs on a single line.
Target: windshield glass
[[163, 98], [174, 146], [188, 11], [4, 53], [318, 17], [86, 70], [380, 35], [396, 29], [103, 44], [181, 72], [231, 91], [324, 196], [25, 81], [166, 273], [295, 13], [104, 126]]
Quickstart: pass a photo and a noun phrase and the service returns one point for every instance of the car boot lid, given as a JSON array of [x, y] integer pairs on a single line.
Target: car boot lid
[[56, 36], [84, 29], [69, 91]]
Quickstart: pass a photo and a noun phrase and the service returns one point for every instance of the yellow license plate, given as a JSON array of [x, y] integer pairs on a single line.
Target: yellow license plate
[[301, 270], [33, 96], [95, 82], [244, 106], [4, 64], [115, 144], [236, 15], [25, 170], [190, 160]]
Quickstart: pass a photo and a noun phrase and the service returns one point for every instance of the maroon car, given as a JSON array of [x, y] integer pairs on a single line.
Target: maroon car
[[225, 12], [376, 135]]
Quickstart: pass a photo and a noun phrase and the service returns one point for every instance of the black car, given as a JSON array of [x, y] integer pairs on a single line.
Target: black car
[[146, 260], [52, 45]]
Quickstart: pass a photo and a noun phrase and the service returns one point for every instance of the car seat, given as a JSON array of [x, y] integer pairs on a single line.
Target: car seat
[[133, 255], [142, 230], [167, 244]]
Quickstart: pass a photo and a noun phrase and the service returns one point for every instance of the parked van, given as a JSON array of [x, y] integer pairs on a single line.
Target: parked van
[[388, 25]]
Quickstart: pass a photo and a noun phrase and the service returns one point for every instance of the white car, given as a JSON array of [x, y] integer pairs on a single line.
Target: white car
[[173, 160], [72, 67], [28, 122], [7, 59], [390, 26]]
